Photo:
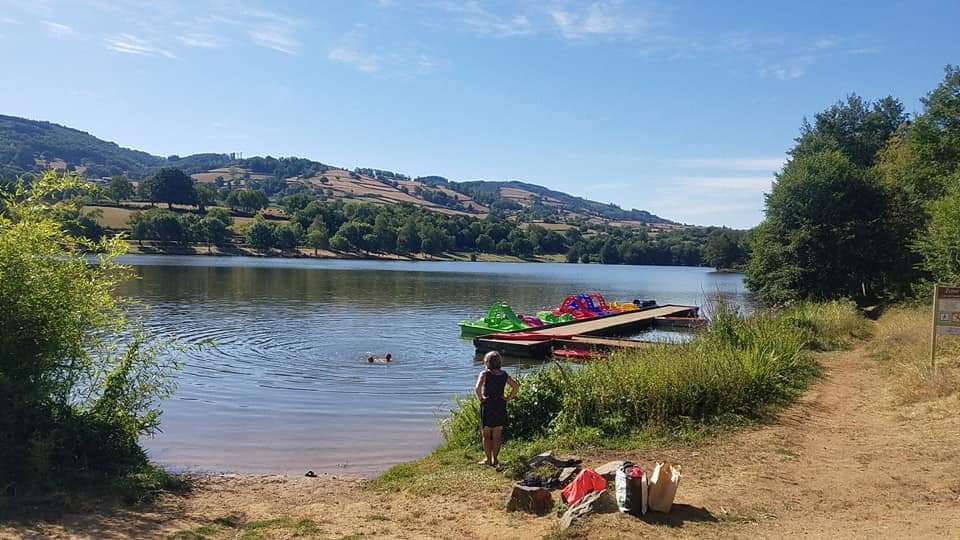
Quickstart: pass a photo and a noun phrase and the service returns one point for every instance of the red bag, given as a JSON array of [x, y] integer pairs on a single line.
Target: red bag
[[585, 482]]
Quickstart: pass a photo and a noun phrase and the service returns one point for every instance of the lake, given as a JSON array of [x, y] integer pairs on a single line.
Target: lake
[[285, 386]]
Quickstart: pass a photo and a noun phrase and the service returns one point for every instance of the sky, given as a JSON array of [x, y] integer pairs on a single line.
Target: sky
[[684, 109]]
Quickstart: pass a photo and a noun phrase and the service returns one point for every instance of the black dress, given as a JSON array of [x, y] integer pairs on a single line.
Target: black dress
[[493, 410]]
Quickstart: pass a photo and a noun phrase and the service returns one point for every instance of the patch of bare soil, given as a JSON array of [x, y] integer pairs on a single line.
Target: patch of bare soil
[[844, 462]]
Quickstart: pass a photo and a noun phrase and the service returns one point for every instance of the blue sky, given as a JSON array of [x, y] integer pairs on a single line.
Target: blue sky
[[681, 108]]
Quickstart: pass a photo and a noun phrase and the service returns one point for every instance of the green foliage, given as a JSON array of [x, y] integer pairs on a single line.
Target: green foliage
[[204, 196], [171, 227], [79, 383], [260, 235], [488, 193], [318, 237], [867, 207], [286, 237], [822, 232], [939, 246], [733, 373], [725, 249], [247, 200], [120, 188], [858, 129], [828, 326], [172, 186]]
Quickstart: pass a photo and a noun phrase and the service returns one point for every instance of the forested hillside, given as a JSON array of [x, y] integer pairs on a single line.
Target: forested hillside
[[29, 147]]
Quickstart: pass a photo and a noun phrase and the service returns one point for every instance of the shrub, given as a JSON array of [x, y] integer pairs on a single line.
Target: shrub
[[79, 383], [734, 372]]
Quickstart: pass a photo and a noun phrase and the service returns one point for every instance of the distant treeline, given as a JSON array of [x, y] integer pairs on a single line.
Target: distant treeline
[[404, 229], [407, 229]]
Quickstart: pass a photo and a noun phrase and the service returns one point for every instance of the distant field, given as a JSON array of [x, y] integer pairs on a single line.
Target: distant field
[[117, 218], [211, 175]]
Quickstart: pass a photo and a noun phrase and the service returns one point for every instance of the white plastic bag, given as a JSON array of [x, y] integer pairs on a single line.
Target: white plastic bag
[[662, 487], [631, 491]]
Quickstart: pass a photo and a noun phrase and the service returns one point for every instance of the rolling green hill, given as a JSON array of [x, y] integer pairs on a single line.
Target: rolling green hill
[[30, 146]]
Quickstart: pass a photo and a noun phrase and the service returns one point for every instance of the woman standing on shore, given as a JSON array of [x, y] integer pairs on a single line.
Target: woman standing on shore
[[493, 405]]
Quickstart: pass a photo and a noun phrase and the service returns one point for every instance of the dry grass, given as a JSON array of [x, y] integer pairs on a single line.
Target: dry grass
[[902, 344]]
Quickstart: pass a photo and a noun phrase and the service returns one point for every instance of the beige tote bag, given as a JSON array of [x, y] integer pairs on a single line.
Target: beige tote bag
[[662, 487]]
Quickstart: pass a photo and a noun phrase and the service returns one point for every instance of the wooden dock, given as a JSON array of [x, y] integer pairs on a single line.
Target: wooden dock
[[584, 332]]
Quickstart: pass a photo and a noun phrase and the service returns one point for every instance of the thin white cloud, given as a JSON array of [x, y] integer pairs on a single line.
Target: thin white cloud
[[202, 41], [745, 183], [274, 38], [8, 20], [59, 29], [610, 18], [356, 59], [481, 21], [734, 164], [130, 44], [784, 72], [272, 30]]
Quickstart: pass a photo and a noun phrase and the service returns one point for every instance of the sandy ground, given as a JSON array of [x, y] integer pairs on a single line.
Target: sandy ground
[[846, 461]]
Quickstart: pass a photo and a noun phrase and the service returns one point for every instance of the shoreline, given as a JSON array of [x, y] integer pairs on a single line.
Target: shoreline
[[202, 251], [837, 447]]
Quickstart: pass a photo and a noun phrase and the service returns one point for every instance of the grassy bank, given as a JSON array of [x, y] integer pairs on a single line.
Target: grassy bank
[[902, 345], [737, 372]]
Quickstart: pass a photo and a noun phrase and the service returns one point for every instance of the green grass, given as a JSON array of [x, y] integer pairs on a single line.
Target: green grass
[[737, 372], [253, 530]]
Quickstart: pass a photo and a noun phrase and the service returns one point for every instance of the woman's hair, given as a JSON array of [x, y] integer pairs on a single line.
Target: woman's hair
[[492, 360]]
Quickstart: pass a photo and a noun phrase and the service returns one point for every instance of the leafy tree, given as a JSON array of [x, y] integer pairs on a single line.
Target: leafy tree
[[354, 232], [340, 243], [822, 231], [286, 237], [296, 202], [140, 227], [120, 188], [222, 215], [430, 246], [610, 253], [573, 254], [172, 186], [213, 231], [551, 242], [80, 381], [523, 247], [485, 244], [204, 197], [165, 226], [260, 235], [247, 200], [408, 239], [939, 246], [724, 250], [857, 128], [318, 238], [384, 235], [78, 223]]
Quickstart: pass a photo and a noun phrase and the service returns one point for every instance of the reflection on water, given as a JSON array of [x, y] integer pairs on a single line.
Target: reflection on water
[[286, 387]]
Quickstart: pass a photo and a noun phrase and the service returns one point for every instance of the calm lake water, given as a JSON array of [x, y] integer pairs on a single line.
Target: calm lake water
[[286, 386]]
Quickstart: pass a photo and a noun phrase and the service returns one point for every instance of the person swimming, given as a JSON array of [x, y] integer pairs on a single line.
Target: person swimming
[[387, 358]]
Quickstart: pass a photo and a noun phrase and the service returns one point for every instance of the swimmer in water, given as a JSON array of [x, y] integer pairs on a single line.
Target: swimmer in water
[[378, 360]]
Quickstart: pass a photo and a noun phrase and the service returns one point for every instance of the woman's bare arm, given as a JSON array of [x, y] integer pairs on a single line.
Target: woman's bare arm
[[478, 389], [514, 388]]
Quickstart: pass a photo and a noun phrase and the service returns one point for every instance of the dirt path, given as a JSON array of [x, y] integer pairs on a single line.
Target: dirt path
[[846, 461]]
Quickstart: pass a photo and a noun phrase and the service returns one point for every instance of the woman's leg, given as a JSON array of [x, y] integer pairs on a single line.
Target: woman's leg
[[487, 435], [497, 434]]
